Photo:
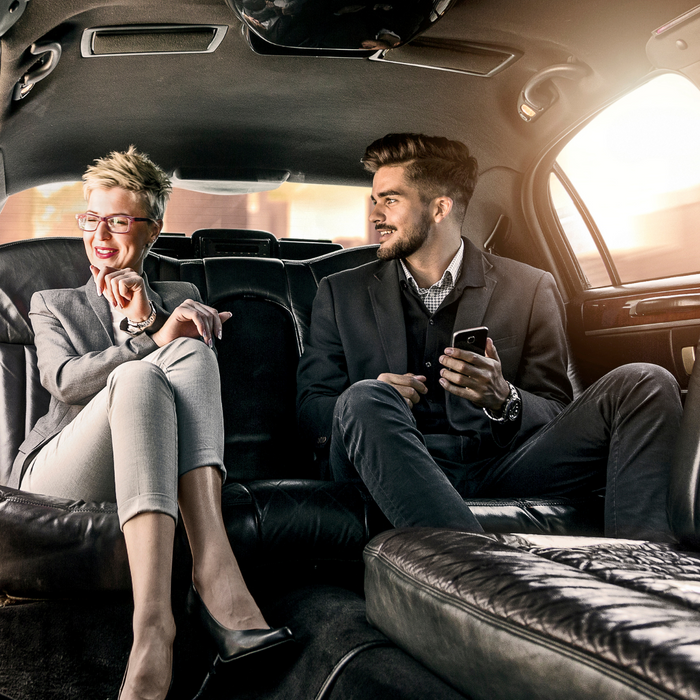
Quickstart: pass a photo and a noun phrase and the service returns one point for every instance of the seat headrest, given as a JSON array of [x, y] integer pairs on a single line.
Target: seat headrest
[[31, 266], [225, 242], [36, 264]]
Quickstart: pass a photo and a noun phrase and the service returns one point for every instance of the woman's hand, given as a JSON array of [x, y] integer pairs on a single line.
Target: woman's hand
[[125, 290], [192, 319]]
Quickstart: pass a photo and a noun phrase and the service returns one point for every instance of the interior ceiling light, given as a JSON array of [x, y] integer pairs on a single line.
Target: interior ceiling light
[[146, 39], [540, 93], [240, 181], [341, 26]]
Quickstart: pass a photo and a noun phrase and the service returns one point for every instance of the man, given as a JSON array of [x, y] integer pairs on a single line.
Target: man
[[424, 424]]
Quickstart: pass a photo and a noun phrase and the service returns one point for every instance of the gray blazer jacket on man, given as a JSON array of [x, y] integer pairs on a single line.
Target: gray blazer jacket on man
[[358, 332], [76, 352]]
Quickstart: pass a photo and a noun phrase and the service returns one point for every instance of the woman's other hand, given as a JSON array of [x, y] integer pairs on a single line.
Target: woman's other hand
[[124, 289], [192, 319]]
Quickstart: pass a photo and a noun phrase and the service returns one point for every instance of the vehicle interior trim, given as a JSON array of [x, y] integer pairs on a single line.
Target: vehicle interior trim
[[154, 38], [616, 330], [481, 60]]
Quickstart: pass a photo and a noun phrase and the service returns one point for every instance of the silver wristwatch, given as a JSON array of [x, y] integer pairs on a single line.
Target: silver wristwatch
[[133, 328], [510, 409]]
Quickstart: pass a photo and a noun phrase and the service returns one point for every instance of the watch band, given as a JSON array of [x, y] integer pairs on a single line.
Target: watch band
[[510, 409], [133, 328]]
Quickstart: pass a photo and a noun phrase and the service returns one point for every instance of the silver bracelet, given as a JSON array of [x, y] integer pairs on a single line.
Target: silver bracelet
[[133, 328]]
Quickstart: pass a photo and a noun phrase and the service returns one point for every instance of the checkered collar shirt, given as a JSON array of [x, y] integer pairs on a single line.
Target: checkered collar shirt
[[435, 295]]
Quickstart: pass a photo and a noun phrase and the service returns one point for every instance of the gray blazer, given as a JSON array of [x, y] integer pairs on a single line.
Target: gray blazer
[[358, 332], [76, 352]]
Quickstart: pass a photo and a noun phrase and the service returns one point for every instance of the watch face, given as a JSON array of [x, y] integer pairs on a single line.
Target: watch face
[[514, 409]]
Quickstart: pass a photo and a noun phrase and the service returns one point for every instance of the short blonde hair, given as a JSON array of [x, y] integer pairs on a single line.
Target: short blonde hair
[[132, 171]]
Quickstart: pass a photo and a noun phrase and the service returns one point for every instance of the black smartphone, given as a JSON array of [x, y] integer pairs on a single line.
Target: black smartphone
[[471, 339]]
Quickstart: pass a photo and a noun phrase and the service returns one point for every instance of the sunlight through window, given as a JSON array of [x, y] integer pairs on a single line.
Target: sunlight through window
[[636, 167]]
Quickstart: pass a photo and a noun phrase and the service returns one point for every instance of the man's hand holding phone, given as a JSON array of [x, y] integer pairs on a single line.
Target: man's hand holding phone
[[472, 370], [410, 386]]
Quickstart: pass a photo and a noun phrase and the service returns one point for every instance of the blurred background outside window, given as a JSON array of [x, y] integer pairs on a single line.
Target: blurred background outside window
[[317, 212], [636, 168]]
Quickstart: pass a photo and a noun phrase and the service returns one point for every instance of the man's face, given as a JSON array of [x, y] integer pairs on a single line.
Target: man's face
[[399, 215]]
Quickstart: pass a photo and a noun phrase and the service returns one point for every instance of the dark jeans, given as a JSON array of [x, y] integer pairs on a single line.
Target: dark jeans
[[618, 435]]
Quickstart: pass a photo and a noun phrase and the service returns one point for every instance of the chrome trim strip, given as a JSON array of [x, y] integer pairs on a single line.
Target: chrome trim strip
[[617, 330]]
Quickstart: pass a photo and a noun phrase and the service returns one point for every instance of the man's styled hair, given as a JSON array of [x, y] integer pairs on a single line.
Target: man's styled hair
[[131, 171], [434, 164]]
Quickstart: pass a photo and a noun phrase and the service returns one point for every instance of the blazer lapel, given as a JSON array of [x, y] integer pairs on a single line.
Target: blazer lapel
[[477, 284], [385, 295], [153, 295], [100, 306]]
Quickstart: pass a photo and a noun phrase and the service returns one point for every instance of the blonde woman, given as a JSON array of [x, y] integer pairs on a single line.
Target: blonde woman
[[135, 417]]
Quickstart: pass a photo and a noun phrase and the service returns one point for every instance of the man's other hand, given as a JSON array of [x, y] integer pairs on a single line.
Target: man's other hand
[[410, 386]]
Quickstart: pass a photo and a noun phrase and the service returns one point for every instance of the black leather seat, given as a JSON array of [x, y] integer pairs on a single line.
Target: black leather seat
[[271, 301], [281, 516]]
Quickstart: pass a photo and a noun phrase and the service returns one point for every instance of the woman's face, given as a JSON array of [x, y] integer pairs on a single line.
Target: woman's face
[[119, 250]]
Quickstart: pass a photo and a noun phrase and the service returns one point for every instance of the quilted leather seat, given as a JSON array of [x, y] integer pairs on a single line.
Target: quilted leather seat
[[516, 616], [495, 616], [274, 482]]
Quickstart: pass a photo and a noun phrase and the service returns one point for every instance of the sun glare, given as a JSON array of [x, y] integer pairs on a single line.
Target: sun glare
[[640, 156]]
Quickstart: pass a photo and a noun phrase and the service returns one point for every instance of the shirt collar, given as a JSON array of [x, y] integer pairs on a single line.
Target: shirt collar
[[449, 276]]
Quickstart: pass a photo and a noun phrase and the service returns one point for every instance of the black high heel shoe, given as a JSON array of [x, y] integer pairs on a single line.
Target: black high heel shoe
[[231, 644]]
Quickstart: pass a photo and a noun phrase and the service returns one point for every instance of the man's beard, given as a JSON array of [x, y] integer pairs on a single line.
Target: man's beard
[[410, 243]]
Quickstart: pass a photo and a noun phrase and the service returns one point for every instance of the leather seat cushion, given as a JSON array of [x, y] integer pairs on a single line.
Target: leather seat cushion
[[523, 616], [57, 547]]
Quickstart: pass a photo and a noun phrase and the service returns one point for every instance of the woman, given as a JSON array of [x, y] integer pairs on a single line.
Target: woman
[[135, 417]]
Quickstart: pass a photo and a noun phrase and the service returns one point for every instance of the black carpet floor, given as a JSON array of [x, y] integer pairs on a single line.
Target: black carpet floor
[[77, 649]]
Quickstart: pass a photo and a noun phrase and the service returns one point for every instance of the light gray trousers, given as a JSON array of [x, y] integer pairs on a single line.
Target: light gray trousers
[[156, 419]]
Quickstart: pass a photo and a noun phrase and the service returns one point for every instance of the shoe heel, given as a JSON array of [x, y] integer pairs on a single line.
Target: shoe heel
[[210, 674], [121, 687]]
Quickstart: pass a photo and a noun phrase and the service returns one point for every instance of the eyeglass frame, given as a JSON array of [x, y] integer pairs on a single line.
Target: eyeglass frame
[[100, 219]]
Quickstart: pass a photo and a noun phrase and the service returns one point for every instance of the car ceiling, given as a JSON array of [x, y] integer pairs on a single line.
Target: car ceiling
[[311, 116]]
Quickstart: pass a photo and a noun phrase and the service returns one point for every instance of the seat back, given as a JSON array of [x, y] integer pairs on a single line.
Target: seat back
[[304, 277], [27, 267], [301, 249], [271, 302], [258, 357], [684, 491]]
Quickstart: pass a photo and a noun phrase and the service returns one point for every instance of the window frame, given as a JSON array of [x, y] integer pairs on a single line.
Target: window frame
[[545, 224], [588, 220]]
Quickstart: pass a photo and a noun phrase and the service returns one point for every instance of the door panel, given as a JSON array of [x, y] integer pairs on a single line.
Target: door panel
[[650, 322]]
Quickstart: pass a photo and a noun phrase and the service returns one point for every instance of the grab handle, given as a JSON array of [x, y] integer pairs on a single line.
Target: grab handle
[[660, 305], [40, 69]]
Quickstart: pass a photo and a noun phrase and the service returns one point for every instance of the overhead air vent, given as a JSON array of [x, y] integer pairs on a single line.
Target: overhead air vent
[[146, 39], [453, 56]]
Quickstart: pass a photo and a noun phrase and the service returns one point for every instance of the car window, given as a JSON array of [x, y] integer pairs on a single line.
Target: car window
[[626, 188], [306, 211]]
